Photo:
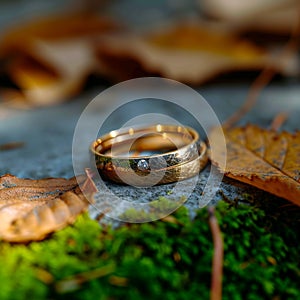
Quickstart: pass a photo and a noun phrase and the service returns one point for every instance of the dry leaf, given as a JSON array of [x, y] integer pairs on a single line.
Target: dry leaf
[[31, 209], [192, 53], [19, 39], [263, 158], [50, 59], [71, 62], [274, 16]]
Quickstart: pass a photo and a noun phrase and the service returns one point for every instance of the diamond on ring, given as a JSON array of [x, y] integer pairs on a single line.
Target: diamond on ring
[[143, 165]]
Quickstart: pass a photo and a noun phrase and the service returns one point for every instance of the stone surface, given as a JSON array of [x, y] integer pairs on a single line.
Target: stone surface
[[48, 132]]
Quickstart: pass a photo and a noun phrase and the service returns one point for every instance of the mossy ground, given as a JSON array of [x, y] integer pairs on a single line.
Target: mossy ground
[[168, 259]]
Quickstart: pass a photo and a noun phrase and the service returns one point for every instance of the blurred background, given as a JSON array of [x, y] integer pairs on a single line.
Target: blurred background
[[55, 56]]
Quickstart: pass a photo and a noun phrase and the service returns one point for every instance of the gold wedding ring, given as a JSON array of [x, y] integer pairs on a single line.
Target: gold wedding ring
[[146, 156]]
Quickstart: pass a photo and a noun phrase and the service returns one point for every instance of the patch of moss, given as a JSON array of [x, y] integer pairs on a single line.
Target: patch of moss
[[169, 259], [156, 209]]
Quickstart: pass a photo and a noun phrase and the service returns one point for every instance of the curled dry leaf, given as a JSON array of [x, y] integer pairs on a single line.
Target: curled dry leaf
[[49, 59], [263, 158], [31, 209], [189, 52]]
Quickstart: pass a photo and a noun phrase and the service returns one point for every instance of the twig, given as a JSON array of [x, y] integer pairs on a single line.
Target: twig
[[217, 263], [11, 146], [89, 184], [278, 121], [73, 283], [265, 77], [255, 89]]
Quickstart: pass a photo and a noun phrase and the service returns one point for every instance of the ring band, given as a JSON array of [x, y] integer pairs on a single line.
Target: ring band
[[166, 153], [168, 175], [173, 144]]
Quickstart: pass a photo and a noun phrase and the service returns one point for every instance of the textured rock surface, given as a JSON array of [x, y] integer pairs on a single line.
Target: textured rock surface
[[48, 132]]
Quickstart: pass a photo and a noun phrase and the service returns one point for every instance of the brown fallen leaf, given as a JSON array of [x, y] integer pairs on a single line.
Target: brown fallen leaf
[[19, 38], [275, 16], [70, 64], [189, 52], [31, 209], [263, 158], [50, 59]]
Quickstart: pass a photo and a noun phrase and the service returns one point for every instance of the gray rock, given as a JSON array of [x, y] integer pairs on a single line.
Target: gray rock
[[48, 132]]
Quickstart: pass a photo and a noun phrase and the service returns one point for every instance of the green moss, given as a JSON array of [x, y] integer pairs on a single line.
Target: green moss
[[169, 259], [156, 209]]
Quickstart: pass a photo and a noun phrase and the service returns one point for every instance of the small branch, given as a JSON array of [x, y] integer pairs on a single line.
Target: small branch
[[255, 89], [11, 146], [217, 263], [266, 75], [74, 283], [89, 184], [278, 121]]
